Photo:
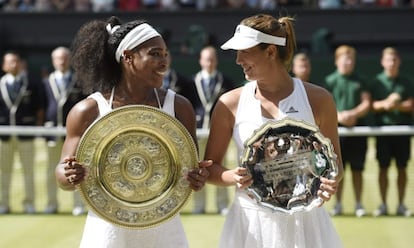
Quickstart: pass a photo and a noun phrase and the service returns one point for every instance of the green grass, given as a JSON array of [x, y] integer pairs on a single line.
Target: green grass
[[203, 231], [64, 231]]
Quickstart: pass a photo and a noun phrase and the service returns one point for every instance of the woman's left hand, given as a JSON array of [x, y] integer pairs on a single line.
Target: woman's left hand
[[198, 176], [327, 188]]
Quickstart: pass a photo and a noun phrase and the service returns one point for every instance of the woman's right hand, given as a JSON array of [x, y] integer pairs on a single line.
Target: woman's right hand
[[74, 172], [241, 177]]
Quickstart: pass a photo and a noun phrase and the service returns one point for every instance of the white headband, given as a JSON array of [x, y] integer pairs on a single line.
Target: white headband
[[135, 37], [110, 29], [246, 37]]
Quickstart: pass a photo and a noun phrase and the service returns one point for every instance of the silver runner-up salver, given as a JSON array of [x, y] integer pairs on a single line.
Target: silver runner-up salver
[[286, 159], [136, 157]]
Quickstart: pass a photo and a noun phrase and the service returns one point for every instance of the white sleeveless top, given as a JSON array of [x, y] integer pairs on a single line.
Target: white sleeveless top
[[258, 227], [249, 115], [101, 234]]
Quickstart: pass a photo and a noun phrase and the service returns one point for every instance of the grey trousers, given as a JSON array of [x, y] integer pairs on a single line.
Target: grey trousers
[[25, 150]]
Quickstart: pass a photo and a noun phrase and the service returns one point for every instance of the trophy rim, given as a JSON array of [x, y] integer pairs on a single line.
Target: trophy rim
[[285, 124], [128, 149]]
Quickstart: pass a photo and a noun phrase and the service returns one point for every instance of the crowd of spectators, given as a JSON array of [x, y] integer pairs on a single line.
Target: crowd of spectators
[[199, 5]]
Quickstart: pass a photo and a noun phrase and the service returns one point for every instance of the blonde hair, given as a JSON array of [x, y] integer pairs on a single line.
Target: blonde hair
[[281, 27], [345, 50], [390, 50]]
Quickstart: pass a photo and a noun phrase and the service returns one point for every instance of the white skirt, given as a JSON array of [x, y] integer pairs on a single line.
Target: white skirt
[[249, 226], [101, 234]]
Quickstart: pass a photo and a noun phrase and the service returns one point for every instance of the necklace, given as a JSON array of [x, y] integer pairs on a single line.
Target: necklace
[[111, 99]]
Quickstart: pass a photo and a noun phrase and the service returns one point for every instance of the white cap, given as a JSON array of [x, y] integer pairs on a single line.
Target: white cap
[[246, 37]]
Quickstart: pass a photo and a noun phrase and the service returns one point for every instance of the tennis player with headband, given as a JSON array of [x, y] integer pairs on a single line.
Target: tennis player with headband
[[118, 65], [265, 47]]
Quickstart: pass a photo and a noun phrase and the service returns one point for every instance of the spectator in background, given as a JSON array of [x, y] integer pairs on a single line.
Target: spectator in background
[[392, 95], [187, 4], [42, 6], [62, 94], [21, 104], [353, 102], [329, 4], [209, 83], [62, 5], [168, 5], [206, 4], [236, 4], [150, 4], [11, 6], [26, 5], [82, 5], [301, 67], [102, 5], [129, 5]]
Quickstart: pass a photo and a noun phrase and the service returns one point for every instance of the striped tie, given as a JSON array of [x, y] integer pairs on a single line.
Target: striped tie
[[14, 89]]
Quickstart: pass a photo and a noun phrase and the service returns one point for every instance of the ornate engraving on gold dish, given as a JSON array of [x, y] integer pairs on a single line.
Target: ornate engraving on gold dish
[[286, 159], [136, 158]]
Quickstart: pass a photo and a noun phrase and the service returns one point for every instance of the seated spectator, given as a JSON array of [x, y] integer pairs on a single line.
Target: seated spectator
[[62, 5], [43, 6], [168, 5], [252, 4], [236, 4], [385, 3], [102, 5], [368, 3], [129, 5], [11, 6], [351, 4], [187, 4], [206, 4], [81, 5], [150, 4], [26, 5], [329, 4], [268, 4]]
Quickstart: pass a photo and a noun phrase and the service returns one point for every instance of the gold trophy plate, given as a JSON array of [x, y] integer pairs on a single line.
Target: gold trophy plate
[[136, 157], [286, 158]]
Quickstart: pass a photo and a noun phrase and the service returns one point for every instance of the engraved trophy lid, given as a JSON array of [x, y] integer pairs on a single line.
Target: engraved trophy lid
[[286, 158], [136, 157]]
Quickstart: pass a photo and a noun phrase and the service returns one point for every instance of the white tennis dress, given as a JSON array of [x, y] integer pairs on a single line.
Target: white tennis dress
[[250, 226], [99, 233]]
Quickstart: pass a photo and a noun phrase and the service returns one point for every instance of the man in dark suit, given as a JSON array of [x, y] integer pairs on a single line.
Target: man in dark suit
[[21, 104], [61, 93], [209, 85]]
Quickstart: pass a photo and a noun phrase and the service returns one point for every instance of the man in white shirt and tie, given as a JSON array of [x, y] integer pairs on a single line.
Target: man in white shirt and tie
[[21, 104], [209, 84]]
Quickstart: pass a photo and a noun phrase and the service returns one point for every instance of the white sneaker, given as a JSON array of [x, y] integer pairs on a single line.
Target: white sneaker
[[403, 211], [337, 210], [359, 210], [78, 211], [29, 209], [381, 211]]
